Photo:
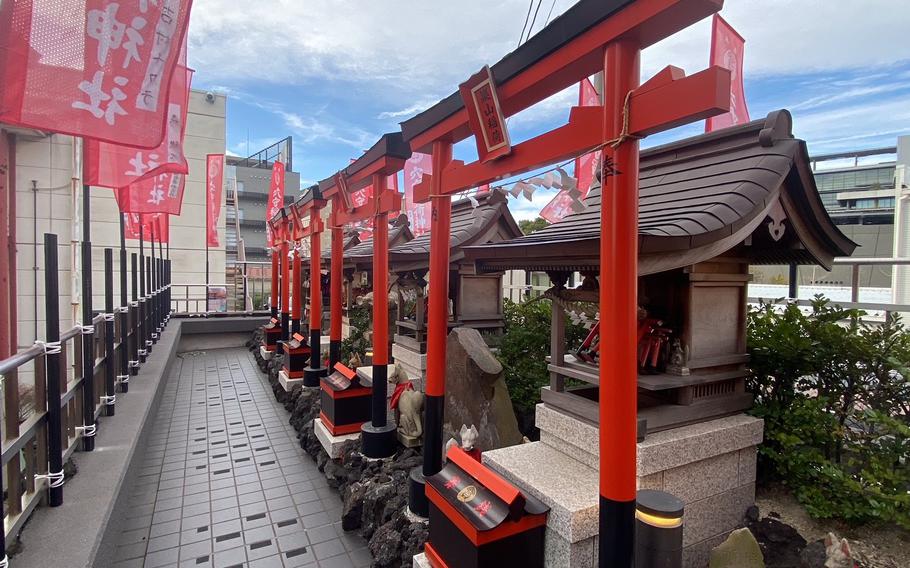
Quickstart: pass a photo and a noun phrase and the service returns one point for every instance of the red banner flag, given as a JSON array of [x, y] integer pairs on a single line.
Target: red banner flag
[[162, 193], [214, 182], [564, 202], [276, 197], [418, 213], [113, 165], [157, 223], [727, 51], [92, 68]]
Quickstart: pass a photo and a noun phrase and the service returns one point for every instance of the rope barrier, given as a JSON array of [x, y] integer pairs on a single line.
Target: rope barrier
[[123, 309], [142, 352], [109, 400], [88, 431], [123, 378], [134, 363], [50, 347], [55, 479], [87, 329], [108, 317]]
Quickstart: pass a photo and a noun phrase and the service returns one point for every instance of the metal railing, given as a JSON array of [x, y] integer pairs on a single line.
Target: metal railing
[[100, 355]]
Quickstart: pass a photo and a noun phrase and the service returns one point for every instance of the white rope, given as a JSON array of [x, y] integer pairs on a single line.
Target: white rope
[[123, 309], [142, 300], [154, 335], [55, 479], [108, 317], [148, 342], [87, 329], [5, 562], [50, 347], [88, 431], [109, 400], [134, 304], [123, 378], [134, 363], [143, 352]]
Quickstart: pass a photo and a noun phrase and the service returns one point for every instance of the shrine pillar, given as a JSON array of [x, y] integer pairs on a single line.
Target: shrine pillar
[[618, 309], [315, 371], [335, 290]]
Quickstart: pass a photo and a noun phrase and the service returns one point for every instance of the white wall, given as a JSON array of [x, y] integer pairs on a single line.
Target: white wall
[[48, 162]]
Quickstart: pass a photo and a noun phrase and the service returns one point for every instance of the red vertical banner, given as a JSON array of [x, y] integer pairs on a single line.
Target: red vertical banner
[[114, 165], [91, 68], [727, 51], [214, 184], [162, 193], [568, 200], [488, 124], [418, 213], [586, 166], [276, 197], [159, 221]]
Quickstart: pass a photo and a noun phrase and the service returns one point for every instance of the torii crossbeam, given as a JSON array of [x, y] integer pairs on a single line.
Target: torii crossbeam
[[592, 36]]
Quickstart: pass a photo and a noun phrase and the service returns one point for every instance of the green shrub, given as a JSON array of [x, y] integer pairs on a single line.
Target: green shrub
[[524, 347], [360, 318], [834, 396]]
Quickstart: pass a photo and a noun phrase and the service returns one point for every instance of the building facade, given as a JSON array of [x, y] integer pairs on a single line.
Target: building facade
[[246, 200], [858, 190], [46, 173]]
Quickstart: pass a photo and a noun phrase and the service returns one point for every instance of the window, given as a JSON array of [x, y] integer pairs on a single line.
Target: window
[[886, 202], [864, 203]]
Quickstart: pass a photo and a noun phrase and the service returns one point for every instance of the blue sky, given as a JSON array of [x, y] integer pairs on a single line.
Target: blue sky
[[335, 75]]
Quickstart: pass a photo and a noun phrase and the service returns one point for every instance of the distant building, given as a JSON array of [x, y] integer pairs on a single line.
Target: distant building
[[245, 212], [858, 189]]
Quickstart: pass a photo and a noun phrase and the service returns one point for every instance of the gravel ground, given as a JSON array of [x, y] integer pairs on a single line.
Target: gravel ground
[[884, 546]]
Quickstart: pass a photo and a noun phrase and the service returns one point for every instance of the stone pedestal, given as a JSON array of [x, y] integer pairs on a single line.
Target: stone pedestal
[[414, 363], [266, 354], [710, 466], [331, 444], [287, 383], [420, 561]]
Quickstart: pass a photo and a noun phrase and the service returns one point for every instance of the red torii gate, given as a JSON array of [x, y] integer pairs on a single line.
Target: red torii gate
[[307, 222], [385, 158], [592, 36], [281, 234]]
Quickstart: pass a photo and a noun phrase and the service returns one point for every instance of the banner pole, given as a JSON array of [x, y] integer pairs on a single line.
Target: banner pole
[[124, 377], [207, 221], [88, 332]]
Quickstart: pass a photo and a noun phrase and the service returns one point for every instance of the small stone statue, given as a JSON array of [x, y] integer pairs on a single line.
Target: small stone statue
[[837, 552], [679, 357], [468, 438], [355, 361], [408, 403]]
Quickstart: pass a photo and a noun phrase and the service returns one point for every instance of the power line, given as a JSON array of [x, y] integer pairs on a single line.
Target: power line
[[550, 13], [524, 27], [533, 20]]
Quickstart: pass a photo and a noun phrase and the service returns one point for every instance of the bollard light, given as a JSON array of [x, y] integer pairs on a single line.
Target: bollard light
[[658, 530]]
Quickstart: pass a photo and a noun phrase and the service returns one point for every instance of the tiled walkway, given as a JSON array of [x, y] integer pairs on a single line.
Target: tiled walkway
[[224, 481]]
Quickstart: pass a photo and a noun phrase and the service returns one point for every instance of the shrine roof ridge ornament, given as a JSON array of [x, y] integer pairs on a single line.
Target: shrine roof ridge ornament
[[655, 20]]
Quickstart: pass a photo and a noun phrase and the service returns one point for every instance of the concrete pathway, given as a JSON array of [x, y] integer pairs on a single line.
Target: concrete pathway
[[224, 482]]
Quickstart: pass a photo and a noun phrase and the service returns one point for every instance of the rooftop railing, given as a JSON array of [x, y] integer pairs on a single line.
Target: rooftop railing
[[78, 374]]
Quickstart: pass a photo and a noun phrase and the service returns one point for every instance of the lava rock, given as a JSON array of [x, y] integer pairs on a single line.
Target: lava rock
[[780, 543], [352, 506]]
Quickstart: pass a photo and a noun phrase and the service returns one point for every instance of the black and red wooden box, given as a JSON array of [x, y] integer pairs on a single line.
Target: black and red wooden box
[[272, 334], [297, 355], [480, 520], [345, 401]]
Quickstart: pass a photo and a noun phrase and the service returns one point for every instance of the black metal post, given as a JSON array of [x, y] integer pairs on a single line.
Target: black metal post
[[794, 280], [134, 318], [162, 313], [153, 291], [88, 330], [207, 250], [143, 304], [123, 317], [149, 305], [110, 396], [52, 367]]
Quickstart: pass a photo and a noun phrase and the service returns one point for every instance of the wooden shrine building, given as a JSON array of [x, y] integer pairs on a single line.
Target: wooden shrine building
[[710, 206]]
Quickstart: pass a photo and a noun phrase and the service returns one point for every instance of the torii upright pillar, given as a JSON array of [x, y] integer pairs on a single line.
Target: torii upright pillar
[[385, 158], [335, 286], [311, 204]]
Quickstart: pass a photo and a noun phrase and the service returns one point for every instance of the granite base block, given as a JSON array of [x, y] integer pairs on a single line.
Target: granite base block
[[420, 561], [287, 383], [265, 353], [331, 444]]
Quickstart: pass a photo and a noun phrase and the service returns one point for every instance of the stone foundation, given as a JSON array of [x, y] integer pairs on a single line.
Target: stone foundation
[[332, 445], [710, 466]]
